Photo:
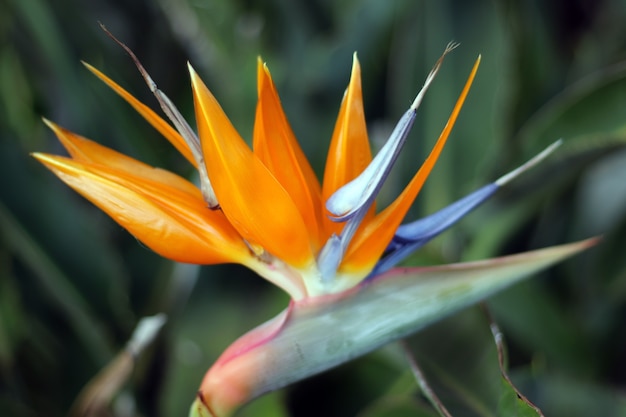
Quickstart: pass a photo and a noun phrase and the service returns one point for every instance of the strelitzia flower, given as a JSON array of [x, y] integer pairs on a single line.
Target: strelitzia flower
[[325, 244]]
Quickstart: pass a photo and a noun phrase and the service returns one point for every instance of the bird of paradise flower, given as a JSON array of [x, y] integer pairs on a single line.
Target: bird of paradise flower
[[325, 244]]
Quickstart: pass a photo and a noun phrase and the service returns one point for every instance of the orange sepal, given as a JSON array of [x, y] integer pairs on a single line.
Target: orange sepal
[[349, 152], [87, 151], [175, 224], [253, 200], [374, 236], [151, 117], [276, 146]]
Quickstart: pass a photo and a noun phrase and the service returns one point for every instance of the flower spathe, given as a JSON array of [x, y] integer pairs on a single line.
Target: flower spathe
[[272, 214], [263, 207]]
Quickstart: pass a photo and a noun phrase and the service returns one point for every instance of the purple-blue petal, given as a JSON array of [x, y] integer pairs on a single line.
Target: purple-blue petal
[[411, 236], [430, 226]]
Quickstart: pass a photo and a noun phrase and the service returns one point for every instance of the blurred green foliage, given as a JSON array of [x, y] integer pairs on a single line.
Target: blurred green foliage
[[73, 284]]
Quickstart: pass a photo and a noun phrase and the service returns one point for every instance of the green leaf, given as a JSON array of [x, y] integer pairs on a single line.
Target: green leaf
[[590, 113], [397, 407], [558, 338], [457, 360], [512, 402], [57, 286], [318, 334], [270, 405], [461, 364], [511, 405], [567, 396]]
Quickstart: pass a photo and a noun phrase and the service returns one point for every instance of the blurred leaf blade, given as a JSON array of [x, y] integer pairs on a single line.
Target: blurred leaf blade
[[458, 359], [587, 111], [512, 401], [57, 286], [525, 96], [512, 405]]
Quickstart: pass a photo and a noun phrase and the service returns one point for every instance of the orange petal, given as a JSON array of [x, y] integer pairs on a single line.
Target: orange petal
[[276, 146], [252, 199], [87, 151], [349, 152], [174, 224], [370, 242], [151, 117]]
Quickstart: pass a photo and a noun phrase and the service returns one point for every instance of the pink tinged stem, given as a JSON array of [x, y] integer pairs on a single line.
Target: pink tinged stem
[[297, 343]]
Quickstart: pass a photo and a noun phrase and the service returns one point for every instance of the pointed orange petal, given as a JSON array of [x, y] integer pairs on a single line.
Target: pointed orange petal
[[87, 151], [276, 146], [174, 224], [349, 152], [370, 242], [252, 199], [151, 117]]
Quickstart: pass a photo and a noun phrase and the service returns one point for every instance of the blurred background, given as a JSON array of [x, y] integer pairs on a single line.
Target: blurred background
[[73, 284]]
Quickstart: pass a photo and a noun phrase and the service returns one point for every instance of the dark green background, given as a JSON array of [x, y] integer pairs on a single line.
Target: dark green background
[[73, 284]]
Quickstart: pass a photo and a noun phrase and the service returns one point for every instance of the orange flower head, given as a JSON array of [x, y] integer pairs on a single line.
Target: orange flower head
[[261, 207]]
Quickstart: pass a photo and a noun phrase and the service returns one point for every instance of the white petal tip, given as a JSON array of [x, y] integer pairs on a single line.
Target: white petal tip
[[528, 165], [145, 332]]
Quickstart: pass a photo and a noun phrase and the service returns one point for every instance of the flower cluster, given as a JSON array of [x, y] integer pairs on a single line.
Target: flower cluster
[[325, 244]]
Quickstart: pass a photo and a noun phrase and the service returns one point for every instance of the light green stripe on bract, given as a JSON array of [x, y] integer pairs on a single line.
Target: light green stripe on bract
[[318, 335], [397, 304]]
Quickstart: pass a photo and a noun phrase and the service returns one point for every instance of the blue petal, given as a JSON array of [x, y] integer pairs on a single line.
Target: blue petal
[[431, 226], [412, 236], [329, 258]]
